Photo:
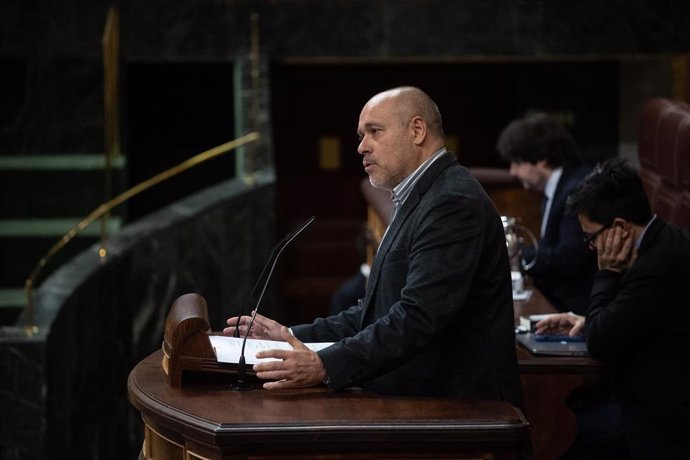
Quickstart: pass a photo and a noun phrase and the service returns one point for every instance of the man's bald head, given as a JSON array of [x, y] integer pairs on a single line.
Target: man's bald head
[[413, 102], [398, 130]]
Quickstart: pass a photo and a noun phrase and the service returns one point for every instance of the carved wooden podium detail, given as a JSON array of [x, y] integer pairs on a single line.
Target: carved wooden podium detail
[[186, 346]]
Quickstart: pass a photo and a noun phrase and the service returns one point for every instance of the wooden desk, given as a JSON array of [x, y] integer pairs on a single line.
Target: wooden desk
[[547, 381], [207, 421]]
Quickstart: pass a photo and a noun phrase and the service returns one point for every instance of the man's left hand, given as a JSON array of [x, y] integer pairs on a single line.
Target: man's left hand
[[616, 249], [297, 368]]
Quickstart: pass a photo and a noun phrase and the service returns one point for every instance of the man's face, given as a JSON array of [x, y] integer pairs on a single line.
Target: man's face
[[591, 231], [386, 143], [532, 176]]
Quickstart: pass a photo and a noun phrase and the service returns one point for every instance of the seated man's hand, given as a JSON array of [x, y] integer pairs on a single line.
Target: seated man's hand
[[616, 249], [562, 324], [297, 368], [263, 327]]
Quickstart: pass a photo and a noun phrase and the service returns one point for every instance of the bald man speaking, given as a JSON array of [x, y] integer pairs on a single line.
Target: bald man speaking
[[437, 317]]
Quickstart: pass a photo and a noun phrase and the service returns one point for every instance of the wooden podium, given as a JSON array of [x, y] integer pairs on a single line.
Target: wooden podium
[[206, 420]]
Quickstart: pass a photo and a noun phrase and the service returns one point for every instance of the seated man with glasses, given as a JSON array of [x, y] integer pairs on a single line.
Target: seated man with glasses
[[638, 319]]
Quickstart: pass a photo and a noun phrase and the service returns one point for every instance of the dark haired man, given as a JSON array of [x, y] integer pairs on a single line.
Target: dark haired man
[[638, 320], [543, 156]]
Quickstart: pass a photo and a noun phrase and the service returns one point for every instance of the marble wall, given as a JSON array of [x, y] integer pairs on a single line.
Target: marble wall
[[52, 50], [64, 389], [205, 29]]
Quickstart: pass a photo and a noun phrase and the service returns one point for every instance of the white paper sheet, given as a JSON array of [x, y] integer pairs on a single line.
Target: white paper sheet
[[228, 349]]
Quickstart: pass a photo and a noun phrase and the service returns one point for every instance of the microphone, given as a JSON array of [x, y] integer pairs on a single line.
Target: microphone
[[275, 252], [241, 384]]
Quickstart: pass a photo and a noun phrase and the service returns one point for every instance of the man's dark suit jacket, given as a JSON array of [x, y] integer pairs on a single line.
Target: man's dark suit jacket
[[565, 267], [437, 317], [638, 323]]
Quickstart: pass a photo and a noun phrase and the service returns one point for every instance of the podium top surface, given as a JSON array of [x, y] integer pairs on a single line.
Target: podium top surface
[[221, 416]]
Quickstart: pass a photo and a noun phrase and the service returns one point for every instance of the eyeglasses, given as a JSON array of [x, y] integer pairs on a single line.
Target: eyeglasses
[[589, 239]]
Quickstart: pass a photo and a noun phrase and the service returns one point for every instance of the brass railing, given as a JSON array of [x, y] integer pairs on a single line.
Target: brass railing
[[31, 327], [111, 105], [111, 51]]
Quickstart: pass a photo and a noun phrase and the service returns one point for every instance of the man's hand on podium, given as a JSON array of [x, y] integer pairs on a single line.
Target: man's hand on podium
[[263, 328], [297, 368]]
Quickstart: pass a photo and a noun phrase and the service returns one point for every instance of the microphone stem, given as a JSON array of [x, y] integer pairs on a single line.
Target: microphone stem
[[241, 371], [273, 259], [237, 326]]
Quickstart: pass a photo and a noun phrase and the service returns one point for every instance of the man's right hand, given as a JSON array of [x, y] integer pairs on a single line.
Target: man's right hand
[[263, 327]]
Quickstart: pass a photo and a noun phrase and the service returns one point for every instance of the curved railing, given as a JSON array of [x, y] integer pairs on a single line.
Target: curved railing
[[112, 142], [104, 208]]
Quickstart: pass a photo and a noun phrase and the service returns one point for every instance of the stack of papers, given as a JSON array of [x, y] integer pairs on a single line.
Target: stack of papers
[[228, 349]]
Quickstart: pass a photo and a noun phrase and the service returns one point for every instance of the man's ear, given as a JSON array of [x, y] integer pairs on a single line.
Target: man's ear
[[623, 224], [419, 131]]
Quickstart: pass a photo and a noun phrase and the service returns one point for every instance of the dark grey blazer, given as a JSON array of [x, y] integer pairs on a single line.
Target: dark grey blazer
[[437, 319]]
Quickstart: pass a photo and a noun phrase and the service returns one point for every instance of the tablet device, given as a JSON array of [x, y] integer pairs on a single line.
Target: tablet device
[[558, 338], [558, 348]]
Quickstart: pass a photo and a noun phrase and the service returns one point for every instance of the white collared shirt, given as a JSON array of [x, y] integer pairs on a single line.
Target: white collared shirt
[[401, 191], [549, 192], [639, 240]]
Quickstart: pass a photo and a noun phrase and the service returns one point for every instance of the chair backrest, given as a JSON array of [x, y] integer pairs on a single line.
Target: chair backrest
[[664, 153]]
